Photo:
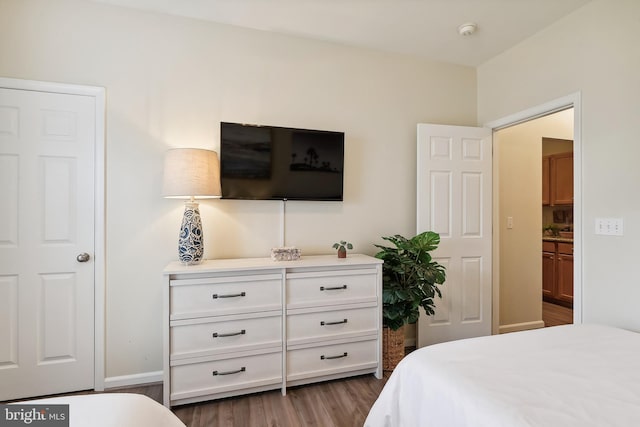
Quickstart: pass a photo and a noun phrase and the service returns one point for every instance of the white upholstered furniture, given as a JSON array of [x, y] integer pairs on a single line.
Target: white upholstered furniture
[[111, 410], [240, 326]]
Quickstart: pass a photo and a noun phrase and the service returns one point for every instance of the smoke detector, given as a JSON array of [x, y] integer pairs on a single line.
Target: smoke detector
[[467, 29]]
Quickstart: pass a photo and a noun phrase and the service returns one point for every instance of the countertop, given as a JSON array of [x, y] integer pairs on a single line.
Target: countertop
[[557, 239]]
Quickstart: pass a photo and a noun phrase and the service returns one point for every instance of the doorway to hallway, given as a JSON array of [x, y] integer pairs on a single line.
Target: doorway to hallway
[[521, 225]]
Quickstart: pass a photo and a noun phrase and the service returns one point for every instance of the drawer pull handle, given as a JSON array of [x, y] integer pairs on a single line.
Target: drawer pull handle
[[232, 334], [339, 322], [241, 294], [229, 372], [323, 357], [332, 288]]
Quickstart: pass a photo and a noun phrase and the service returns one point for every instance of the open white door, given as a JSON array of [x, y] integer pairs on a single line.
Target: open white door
[[454, 200]]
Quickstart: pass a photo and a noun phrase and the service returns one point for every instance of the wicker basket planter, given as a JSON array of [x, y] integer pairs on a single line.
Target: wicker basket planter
[[392, 347]]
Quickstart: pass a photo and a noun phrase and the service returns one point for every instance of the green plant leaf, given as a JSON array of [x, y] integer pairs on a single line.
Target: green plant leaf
[[410, 277]]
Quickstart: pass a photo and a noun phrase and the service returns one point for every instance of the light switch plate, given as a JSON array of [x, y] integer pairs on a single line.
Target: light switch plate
[[609, 226]]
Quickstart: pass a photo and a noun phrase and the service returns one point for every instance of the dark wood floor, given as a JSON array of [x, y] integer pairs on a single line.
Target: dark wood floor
[[338, 403], [555, 315], [334, 403]]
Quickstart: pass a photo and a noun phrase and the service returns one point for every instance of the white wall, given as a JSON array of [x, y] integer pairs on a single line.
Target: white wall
[[518, 167], [594, 51], [170, 81]]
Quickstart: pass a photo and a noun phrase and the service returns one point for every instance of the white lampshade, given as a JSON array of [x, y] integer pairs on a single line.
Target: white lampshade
[[191, 172]]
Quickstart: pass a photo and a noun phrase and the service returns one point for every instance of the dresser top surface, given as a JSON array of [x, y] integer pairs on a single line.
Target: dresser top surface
[[177, 267]]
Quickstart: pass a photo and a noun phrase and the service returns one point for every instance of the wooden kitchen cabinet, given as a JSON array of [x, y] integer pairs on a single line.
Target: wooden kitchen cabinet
[[546, 184], [557, 272], [557, 179], [564, 272], [561, 169], [548, 268]]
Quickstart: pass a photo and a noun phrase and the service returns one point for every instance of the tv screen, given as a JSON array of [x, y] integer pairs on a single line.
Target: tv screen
[[278, 163]]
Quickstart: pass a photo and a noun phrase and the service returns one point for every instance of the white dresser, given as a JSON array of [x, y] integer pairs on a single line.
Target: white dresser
[[240, 326]]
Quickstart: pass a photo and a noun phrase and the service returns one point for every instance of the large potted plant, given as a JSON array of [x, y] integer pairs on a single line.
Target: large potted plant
[[410, 279]]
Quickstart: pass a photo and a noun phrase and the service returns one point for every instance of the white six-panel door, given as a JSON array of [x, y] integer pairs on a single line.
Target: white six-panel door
[[454, 200], [46, 221]]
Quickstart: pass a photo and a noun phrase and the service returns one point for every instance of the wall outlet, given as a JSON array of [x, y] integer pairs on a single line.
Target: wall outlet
[[509, 222], [609, 226]]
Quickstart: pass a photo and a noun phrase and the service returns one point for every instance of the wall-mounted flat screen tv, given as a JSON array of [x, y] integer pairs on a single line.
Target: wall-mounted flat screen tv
[[279, 163]]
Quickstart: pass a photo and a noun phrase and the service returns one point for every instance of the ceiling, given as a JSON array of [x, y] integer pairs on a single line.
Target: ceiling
[[426, 28]]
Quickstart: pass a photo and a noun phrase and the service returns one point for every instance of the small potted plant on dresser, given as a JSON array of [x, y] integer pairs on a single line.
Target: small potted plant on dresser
[[342, 247], [410, 279]]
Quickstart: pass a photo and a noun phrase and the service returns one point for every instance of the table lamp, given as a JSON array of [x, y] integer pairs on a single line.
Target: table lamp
[[191, 173]]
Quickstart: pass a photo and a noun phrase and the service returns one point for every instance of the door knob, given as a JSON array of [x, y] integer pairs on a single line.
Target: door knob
[[83, 257]]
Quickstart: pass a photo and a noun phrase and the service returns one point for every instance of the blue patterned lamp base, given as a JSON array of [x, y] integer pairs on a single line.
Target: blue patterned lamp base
[[191, 241]]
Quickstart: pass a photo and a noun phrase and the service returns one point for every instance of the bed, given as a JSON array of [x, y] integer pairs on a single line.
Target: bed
[[112, 410], [574, 375]]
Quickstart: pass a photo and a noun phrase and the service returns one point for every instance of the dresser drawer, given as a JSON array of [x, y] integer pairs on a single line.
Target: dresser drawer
[[335, 324], [326, 360], [225, 295], [203, 337], [323, 288], [219, 376]]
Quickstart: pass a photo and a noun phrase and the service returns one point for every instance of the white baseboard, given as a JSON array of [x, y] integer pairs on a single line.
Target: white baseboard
[[133, 380], [515, 327]]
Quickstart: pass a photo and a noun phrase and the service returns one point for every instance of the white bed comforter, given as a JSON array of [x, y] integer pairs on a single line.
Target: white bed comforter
[[113, 410], [583, 375]]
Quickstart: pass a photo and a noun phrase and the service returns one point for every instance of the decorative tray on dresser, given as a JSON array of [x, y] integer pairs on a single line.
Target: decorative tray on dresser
[[238, 326]]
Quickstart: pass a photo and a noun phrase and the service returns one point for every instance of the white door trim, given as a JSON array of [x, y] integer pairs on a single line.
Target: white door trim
[[573, 100], [99, 203]]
